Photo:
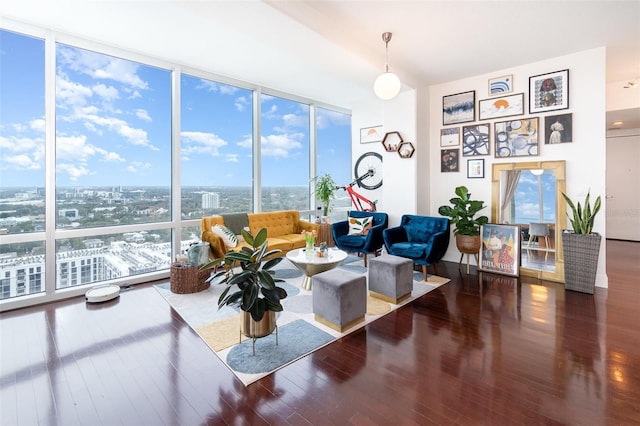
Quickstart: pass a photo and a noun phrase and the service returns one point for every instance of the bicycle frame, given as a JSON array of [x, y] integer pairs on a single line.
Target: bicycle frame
[[358, 199]]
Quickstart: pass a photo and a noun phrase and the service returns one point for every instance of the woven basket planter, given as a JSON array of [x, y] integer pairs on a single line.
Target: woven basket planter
[[188, 279], [581, 252]]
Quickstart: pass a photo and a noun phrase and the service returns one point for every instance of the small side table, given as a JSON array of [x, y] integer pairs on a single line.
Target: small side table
[[188, 279], [325, 235]]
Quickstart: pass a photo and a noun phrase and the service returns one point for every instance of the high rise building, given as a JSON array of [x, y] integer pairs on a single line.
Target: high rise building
[[211, 200]]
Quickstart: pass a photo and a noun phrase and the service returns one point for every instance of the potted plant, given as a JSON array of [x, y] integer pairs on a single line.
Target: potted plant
[[581, 246], [325, 188], [463, 215], [255, 290]]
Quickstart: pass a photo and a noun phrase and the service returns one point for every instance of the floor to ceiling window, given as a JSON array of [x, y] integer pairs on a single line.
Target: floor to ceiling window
[[103, 161], [22, 164], [284, 149]]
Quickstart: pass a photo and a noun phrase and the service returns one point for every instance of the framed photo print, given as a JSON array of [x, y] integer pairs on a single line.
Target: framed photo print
[[450, 137], [501, 85], [517, 138], [371, 134], [549, 92], [459, 108], [558, 128], [504, 106], [475, 168], [475, 140], [449, 160], [500, 251]]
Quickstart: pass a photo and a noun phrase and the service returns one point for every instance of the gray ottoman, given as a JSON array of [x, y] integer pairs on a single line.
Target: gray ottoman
[[390, 278], [339, 298]]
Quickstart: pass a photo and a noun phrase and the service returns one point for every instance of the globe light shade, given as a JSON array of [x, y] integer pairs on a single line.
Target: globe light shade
[[387, 86]]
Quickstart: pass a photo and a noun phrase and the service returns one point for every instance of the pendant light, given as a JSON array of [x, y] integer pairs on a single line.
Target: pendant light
[[387, 85]]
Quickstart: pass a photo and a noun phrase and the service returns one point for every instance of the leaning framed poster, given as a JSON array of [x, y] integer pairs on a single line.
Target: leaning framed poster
[[500, 251]]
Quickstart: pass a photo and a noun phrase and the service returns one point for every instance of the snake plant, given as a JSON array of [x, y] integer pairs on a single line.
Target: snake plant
[[582, 216]]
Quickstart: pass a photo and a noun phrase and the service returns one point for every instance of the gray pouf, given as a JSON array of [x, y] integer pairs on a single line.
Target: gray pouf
[[390, 278], [339, 298]]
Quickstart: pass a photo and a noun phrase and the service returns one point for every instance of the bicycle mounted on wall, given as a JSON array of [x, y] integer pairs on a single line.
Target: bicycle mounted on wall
[[368, 175]]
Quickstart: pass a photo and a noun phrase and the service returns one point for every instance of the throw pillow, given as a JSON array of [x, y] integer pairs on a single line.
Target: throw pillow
[[228, 237], [360, 225]]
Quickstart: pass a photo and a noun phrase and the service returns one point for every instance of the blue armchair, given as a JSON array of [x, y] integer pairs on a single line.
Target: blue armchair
[[370, 243], [423, 239]]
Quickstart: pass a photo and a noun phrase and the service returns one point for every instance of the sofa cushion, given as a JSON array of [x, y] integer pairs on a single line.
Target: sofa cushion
[[277, 223], [228, 237], [410, 250], [279, 244], [351, 242]]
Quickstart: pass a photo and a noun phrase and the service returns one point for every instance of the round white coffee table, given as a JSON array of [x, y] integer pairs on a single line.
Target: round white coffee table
[[311, 265]]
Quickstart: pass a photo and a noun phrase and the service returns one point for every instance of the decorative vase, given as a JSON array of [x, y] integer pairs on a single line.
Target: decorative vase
[[309, 247], [468, 244], [581, 252]]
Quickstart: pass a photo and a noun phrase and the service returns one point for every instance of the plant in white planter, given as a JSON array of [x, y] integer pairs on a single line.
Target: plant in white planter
[[581, 246]]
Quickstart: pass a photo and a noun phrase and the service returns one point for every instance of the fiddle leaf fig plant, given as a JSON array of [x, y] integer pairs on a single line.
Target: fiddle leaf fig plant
[[463, 211], [583, 215]]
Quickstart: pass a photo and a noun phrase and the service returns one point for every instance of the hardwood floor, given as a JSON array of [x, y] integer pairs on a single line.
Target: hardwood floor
[[482, 349]]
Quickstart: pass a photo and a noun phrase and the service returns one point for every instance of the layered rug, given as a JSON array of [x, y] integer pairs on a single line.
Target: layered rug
[[298, 334]]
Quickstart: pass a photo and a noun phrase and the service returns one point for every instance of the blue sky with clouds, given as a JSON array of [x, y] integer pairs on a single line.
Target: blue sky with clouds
[[113, 125]]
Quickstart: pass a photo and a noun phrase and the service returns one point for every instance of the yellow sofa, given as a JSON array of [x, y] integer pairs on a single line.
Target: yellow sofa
[[284, 231]]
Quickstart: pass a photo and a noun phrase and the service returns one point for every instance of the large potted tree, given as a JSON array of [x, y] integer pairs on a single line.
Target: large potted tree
[[581, 246], [463, 213], [251, 278]]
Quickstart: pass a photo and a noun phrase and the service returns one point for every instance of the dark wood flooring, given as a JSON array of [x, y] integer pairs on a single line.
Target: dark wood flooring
[[482, 349]]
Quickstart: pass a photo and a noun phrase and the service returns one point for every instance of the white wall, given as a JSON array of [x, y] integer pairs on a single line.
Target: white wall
[[398, 194], [585, 156]]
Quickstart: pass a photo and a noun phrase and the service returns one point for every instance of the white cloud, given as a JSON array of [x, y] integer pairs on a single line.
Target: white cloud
[[241, 103], [142, 114], [138, 166], [76, 150], [201, 143], [246, 143], [108, 93], [327, 117], [71, 94], [37, 124], [231, 158], [279, 145], [73, 171], [19, 162], [101, 66], [133, 135]]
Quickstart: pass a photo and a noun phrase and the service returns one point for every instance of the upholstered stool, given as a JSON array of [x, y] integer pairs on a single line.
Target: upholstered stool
[[339, 298], [390, 278]]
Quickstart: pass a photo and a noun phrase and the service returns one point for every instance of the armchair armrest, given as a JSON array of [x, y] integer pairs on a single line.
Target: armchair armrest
[[216, 245], [339, 229], [439, 243], [395, 235], [373, 238]]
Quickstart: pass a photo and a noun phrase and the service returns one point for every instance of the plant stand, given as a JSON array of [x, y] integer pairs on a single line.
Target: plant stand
[[255, 330], [581, 252]]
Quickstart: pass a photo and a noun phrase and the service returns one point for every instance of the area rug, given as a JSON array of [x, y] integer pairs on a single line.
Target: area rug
[[298, 334]]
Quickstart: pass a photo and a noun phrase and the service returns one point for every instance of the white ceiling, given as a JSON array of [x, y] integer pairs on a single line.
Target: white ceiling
[[332, 50]]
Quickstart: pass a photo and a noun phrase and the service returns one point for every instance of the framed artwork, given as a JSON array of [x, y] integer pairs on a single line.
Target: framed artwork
[[549, 92], [501, 85], [449, 160], [450, 137], [516, 138], [500, 251], [475, 168], [475, 140], [371, 134], [504, 106], [558, 128], [459, 108]]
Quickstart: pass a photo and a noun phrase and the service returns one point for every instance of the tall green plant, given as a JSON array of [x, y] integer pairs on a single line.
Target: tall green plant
[[462, 212], [582, 216], [256, 287], [325, 188]]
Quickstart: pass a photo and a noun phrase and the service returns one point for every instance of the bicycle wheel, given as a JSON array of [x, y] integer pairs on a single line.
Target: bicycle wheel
[[369, 162]]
